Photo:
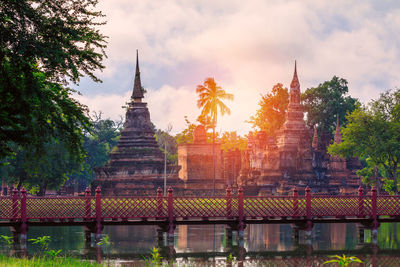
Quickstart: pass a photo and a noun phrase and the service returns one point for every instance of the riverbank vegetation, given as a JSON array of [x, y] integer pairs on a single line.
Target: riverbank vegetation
[[41, 261]]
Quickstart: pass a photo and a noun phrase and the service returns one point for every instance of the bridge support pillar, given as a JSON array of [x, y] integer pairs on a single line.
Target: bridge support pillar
[[242, 226], [160, 237], [308, 237], [229, 235], [98, 214], [88, 238], [23, 240], [89, 229], [361, 235], [374, 236], [295, 235], [15, 234], [19, 234], [171, 226]]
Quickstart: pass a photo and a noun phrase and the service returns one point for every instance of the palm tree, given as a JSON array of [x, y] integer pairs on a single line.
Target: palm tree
[[210, 100]]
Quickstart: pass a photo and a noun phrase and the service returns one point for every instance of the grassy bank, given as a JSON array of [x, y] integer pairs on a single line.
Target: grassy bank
[[45, 262]]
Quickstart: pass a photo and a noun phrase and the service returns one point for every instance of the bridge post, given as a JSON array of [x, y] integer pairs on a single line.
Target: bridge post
[[309, 224], [98, 213], [15, 216], [375, 224], [228, 202], [88, 216], [295, 202], [170, 214], [241, 214], [15, 204], [159, 202], [24, 226], [360, 202], [88, 204]]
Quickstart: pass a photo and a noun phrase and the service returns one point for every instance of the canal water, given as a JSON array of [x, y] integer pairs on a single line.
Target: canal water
[[208, 245]]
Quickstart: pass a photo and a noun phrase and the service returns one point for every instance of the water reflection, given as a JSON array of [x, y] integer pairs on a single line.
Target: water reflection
[[208, 243]]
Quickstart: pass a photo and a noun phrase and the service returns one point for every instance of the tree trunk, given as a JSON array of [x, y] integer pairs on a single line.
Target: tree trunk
[[42, 189], [21, 179], [377, 180], [213, 154], [393, 175]]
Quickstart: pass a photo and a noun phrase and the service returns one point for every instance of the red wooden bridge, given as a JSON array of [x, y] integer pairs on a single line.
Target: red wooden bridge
[[235, 210]]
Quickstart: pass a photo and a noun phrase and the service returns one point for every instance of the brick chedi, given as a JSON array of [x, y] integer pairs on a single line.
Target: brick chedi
[[196, 161], [136, 165], [341, 171], [295, 157]]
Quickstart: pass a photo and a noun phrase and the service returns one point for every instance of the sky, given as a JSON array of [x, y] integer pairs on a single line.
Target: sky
[[246, 46]]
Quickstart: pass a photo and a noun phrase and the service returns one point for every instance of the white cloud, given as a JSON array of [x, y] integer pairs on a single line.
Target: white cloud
[[248, 47], [109, 104]]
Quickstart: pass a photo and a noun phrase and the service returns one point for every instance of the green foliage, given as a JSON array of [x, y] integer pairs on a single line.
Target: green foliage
[[324, 102], [53, 253], [98, 143], [42, 45], [230, 258], [388, 186], [210, 100], [165, 140], [186, 136], [43, 241], [51, 170], [104, 241], [232, 141], [155, 259], [271, 114], [56, 166], [7, 239], [371, 172], [45, 262], [343, 261], [374, 132]]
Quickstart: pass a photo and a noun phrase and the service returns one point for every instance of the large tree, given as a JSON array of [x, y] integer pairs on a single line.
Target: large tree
[[271, 114], [324, 102], [210, 100], [51, 170], [44, 44], [98, 143], [55, 167], [373, 132]]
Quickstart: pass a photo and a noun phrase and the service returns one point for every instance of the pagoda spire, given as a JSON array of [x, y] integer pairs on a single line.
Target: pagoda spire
[[294, 94], [137, 94], [295, 81], [315, 138], [338, 135]]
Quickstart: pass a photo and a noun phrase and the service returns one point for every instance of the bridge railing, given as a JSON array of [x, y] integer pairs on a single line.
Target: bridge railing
[[10, 207], [55, 208], [274, 206], [388, 205], [134, 207], [27, 208]]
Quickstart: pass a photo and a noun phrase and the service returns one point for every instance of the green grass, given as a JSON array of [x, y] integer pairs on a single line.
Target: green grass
[[39, 261]]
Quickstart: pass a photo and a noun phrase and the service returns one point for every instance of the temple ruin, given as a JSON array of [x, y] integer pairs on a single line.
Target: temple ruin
[[136, 165], [296, 157]]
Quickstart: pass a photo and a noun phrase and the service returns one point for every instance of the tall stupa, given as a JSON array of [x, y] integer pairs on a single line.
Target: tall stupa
[[136, 165]]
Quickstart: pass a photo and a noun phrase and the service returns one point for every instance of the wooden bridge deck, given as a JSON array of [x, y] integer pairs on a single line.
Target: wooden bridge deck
[[21, 211]]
